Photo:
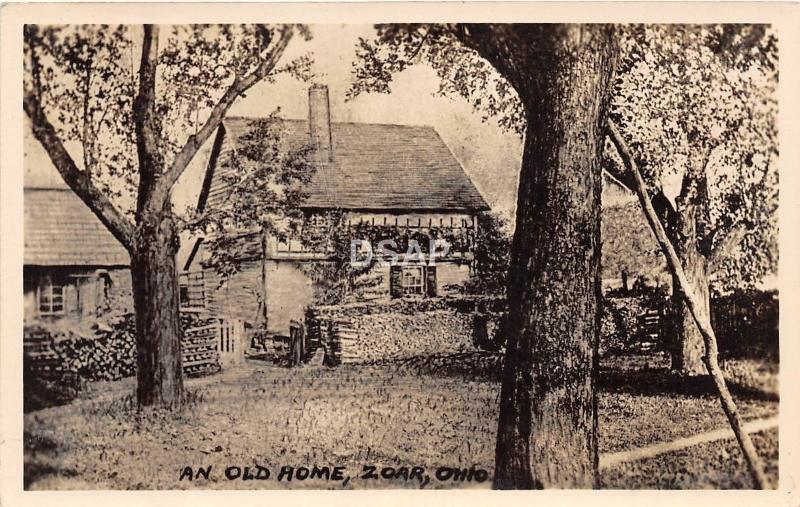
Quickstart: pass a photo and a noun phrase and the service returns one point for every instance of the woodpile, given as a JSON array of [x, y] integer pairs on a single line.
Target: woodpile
[[344, 342], [39, 356], [393, 330], [108, 352], [199, 350]]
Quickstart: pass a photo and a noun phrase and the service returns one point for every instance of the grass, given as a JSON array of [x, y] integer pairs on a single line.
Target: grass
[[715, 465], [420, 413]]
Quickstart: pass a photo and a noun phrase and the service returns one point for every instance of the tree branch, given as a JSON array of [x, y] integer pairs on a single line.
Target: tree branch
[[80, 182], [88, 136], [239, 86], [700, 317]]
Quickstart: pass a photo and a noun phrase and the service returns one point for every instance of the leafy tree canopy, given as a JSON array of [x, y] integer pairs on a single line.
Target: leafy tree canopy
[[685, 96], [87, 77]]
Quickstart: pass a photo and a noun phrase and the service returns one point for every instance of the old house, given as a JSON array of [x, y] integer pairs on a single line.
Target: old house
[[74, 269], [395, 178]]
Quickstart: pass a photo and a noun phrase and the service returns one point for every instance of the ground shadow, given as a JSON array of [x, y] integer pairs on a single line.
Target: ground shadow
[[642, 380], [40, 462], [654, 382]]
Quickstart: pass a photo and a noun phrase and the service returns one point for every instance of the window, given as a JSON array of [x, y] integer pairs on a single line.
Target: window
[[412, 280], [192, 290], [51, 298]]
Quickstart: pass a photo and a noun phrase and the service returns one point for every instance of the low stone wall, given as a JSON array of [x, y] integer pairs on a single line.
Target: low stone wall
[[403, 328]]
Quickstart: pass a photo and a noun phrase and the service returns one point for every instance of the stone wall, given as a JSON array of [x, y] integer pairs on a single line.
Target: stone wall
[[401, 328]]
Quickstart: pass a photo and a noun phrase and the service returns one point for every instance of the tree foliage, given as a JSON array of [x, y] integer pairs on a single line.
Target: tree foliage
[[461, 69], [337, 280], [265, 181], [86, 77], [698, 104], [492, 255], [682, 92]]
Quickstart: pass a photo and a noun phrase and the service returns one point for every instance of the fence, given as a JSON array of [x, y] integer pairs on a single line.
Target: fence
[[230, 341], [746, 324]]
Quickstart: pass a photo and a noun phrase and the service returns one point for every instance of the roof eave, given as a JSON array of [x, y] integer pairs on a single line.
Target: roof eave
[[401, 209]]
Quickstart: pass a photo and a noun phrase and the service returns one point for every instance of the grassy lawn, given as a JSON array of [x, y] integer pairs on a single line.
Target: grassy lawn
[[425, 414]]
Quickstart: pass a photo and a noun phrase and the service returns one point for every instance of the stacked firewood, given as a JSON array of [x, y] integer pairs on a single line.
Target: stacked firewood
[[200, 354], [103, 353], [108, 352]]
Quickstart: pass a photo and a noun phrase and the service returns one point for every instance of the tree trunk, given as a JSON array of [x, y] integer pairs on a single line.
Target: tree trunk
[[686, 342], [159, 375], [547, 430]]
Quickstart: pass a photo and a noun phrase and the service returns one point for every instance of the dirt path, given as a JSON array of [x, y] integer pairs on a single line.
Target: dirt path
[[615, 458]]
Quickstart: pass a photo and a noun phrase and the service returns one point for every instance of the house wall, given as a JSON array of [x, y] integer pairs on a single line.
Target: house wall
[[86, 297], [376, 283], [411, 220], [289, 291], [236, 297], [289, 288]]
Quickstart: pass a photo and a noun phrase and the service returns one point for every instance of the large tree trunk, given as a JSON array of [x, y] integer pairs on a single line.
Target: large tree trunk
[[686, 231], [159, 375], [547, 430], [686, 342]]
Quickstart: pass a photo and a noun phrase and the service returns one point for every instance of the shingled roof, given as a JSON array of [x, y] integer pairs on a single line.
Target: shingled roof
[[375, 166], [60, 230]]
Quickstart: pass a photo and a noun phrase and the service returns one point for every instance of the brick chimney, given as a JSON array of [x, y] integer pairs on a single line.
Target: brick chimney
[[319, 122]]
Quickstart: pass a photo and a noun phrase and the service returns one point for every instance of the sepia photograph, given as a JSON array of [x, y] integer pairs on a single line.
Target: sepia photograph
[[358, 256]]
